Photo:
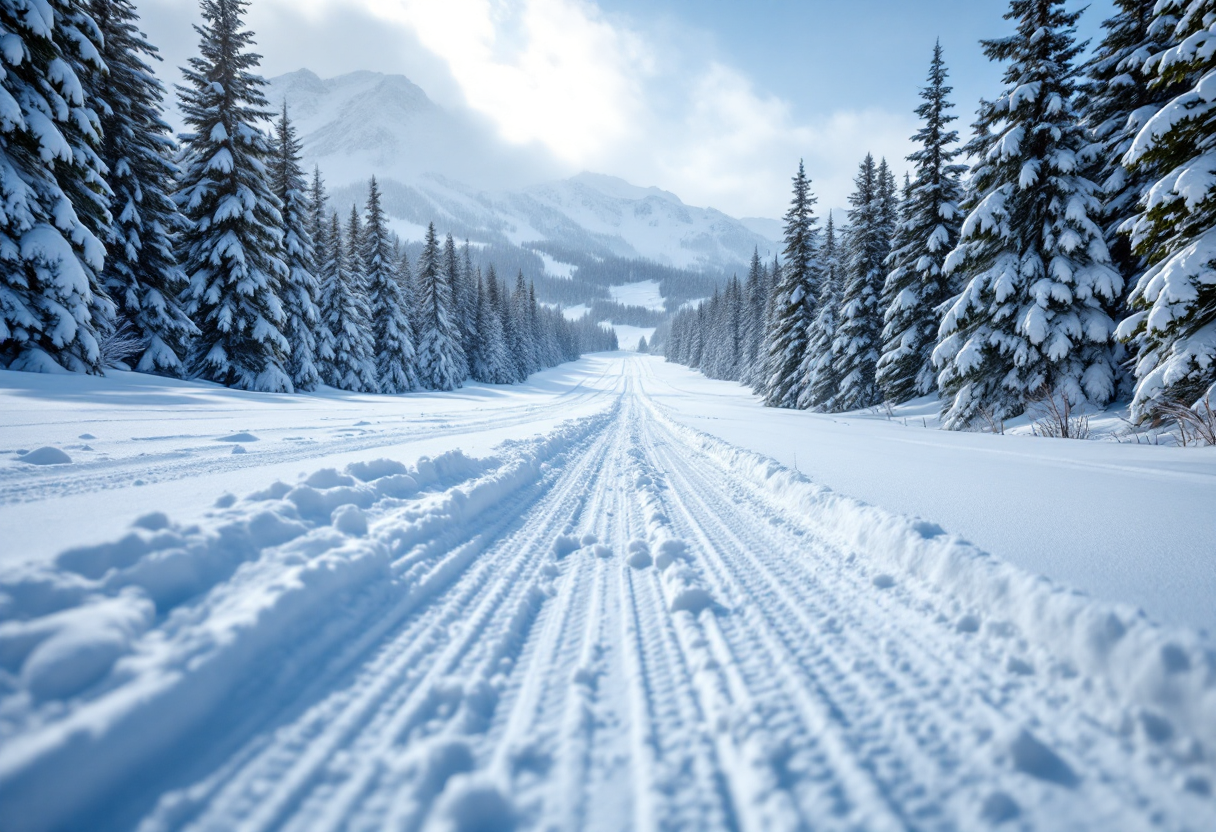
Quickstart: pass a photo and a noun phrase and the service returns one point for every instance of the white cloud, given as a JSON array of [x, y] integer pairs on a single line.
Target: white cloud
[[553, 71], [593, 89]]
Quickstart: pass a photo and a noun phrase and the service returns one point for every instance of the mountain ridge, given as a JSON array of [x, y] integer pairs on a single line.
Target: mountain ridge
[[453, 169]]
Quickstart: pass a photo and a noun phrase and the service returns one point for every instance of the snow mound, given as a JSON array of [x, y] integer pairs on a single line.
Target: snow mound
[[564, 545], [375, 469], [683, 585], [639, 554], [46, 456], [473, 804], [238, 437]]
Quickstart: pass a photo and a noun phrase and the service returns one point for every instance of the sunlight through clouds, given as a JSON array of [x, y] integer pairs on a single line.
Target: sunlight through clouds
[[563, 75], [551, 71]]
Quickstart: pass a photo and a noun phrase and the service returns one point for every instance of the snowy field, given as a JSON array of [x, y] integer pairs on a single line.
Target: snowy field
[[601, 600], [627, 336], [556, 268], [645, 294]]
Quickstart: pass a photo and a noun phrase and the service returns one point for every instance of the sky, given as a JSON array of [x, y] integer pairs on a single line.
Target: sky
[[714, 100]]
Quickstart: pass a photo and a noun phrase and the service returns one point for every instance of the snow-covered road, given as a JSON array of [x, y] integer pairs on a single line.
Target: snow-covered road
[[620, 623]]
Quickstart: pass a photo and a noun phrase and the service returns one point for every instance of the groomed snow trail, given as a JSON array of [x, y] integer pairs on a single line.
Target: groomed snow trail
[[621, 625]]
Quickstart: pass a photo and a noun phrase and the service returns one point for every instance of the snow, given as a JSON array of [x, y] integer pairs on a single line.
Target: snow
[[986, 487], [410, 232], [645, 294], [573, 313], [45, 456], [366, 123], [556, 268], [609, 597], [628, 336]]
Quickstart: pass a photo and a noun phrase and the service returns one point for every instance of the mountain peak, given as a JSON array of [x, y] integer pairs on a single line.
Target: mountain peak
[[618, 188]]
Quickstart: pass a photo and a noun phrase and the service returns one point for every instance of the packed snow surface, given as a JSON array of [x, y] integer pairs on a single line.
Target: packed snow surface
[[588, 602]]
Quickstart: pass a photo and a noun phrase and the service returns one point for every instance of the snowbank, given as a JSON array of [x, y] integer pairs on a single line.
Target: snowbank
[[112, 654], [1154, 669]]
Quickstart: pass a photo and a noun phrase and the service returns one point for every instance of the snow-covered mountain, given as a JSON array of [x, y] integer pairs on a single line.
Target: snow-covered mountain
[[435, 164]]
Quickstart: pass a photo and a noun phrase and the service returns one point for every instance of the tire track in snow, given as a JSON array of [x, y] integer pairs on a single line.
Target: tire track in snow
[[606, 631], [925, 728], [476, 632]]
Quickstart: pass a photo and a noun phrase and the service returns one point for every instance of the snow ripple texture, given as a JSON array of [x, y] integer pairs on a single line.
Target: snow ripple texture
[[621, 625]]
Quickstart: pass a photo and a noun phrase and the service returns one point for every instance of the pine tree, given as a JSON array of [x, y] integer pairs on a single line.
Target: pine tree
[[468, 297], [916, 284], [452, 277], [391, 331], [511, 333], [141, 273], [1116, 101], [318, 230], [409, 296], [51, 301], [491, 363], [441, 361], [794, 298], [233, 245], [820, 369], [755, 294], [347, 317], [1173, 325], [1033, 318], [301, 289], [767, 360], [521, 330], [868, 243]]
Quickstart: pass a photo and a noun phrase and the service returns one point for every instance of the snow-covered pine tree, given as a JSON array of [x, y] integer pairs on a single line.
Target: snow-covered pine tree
[[731, 331], [453, 277], [916, 284], [441, 361], [469, 297], [1173, 325], [794, 298], [347, 317], [1033, 318], [392, 333], [542, 333], [232, 244], [510, 330], [1116, 99], [755, 293], [301, 289], [521, 330], [767, 361], [868, 242], [81, 44], [51, 301], [409, 295], [319, 231], [491, 364], [821, 372], [141, 273]]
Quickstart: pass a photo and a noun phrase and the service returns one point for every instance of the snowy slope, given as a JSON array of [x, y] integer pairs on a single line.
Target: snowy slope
[[612, 620], [450, 168], [645, 294]]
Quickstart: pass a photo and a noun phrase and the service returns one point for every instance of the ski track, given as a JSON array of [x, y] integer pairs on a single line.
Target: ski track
[[600, 629]]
